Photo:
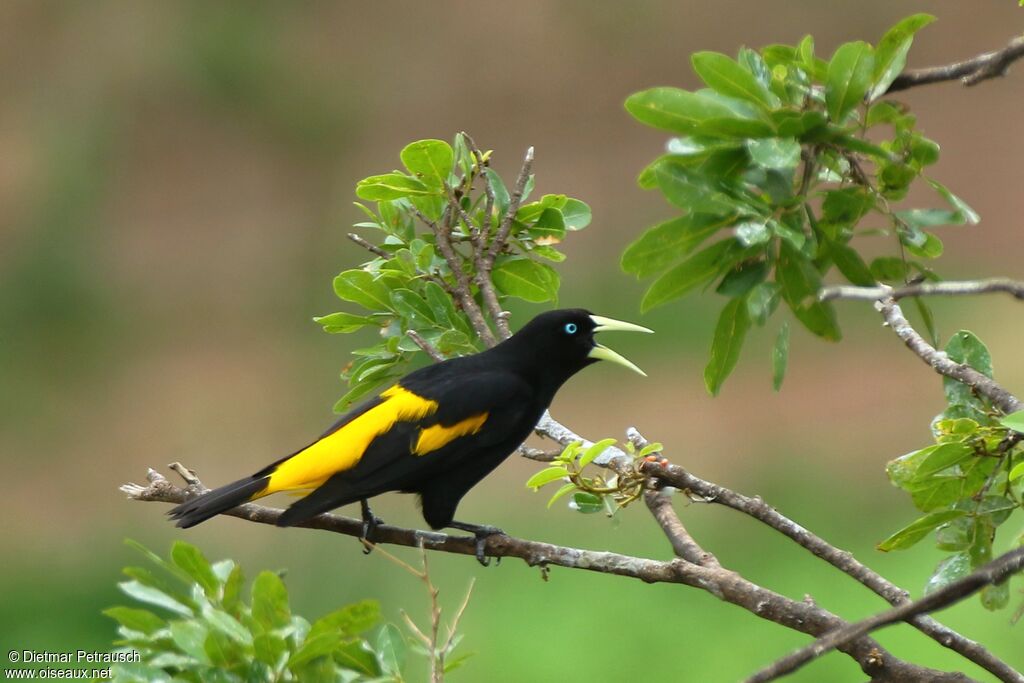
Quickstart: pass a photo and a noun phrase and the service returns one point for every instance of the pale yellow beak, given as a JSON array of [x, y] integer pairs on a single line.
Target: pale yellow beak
[[601, 352]]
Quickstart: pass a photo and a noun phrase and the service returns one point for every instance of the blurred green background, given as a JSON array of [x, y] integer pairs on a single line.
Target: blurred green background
[[175, 188]]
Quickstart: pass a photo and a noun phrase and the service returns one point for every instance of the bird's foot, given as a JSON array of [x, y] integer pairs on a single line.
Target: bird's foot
[[370, 524], [481, 532]]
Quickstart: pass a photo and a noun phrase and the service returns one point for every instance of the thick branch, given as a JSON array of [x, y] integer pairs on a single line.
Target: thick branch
[[723, 584], [996, 571], [941, 363], [970, 71], [953, 288]]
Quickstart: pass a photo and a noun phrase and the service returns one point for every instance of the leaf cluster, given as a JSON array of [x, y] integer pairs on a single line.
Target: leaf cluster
[[969, 482], [597, 490], [198, 626], [776, 166], [441, 220]]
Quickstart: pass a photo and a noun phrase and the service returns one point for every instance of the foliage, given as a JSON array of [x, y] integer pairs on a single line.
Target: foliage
[[439, 219], [596, 491], [204, 630], [969, 482], [786, 158]]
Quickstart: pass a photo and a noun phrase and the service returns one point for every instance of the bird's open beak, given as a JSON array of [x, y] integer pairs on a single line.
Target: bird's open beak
[[600, 352]]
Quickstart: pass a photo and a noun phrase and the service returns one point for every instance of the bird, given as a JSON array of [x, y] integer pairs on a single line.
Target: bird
[[436, 432]]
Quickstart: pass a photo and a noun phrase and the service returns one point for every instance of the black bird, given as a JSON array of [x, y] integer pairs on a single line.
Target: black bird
[[436, 432]]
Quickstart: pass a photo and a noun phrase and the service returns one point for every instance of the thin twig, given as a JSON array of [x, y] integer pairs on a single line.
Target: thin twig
[[941, 363], [1014, 288], [995, 572], [505, 227], [372, 248], [463, 289], [427, 347], [726, 585], [685, 547], [970, 71]]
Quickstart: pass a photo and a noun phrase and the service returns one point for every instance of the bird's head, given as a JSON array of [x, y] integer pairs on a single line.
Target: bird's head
[[563, 341]]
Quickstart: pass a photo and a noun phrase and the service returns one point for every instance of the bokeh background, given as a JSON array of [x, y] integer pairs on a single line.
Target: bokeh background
[[175, 188]]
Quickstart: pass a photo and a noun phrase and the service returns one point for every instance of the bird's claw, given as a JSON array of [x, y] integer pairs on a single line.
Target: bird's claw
[[370, 524], [481, 532]]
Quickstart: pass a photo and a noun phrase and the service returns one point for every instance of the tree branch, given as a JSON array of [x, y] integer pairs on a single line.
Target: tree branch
[[723, 584], [970, 71], [996, 571], [951, 288], [941, 363]]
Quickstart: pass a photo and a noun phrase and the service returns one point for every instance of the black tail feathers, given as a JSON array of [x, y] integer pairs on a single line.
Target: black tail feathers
[[217, 501]]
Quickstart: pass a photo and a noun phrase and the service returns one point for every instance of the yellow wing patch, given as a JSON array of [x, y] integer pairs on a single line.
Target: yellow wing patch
[[341, 450], [433, 438]]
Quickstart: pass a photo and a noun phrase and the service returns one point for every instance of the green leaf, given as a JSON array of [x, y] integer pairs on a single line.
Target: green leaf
[[391, 649], [565, 488], [141, 620], [742, 278], [846, 206], [762, 301], [753, 233], [995, 597], [357, 656], [848, 79], [525, 279], [1017, 472], [190, 637], [429, 160], [360, 287], [929, 320], [549, 228], [595, 450], [270, 600], [501, 196], [391, 186], [575, 214], [1014, 421], [965, 347], [891, 53], [918, 529], [800, 284], [350, 620], [781, 153], [696, 189], [851, 265], [730, 332], [228, 625], [889, 269], [319, 645], [951, 569], [153, 596], [343, 323], [780, 356], [664, 243], [587, 503], [969, 215], [729, 78], [546, 476], [942, 457], [187, 557], [674, 110], [412, 307], [688, 275]]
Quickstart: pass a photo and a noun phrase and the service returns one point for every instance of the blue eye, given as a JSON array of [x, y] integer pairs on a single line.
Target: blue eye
[[570, 328]]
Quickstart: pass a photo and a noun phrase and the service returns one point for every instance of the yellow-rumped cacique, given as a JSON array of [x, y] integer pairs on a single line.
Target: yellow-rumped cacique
[[436, 432]]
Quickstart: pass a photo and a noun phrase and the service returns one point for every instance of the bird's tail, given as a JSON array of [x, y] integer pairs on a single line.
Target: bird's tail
[[219, 500]]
